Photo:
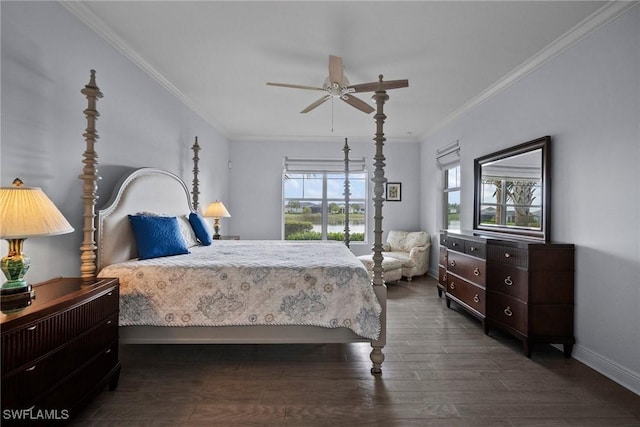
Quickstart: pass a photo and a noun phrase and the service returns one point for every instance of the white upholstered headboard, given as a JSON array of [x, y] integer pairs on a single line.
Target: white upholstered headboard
[[143, 190]]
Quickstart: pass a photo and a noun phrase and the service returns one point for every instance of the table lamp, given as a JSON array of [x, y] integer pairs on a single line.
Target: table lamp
[[25, 212], [216, 210]]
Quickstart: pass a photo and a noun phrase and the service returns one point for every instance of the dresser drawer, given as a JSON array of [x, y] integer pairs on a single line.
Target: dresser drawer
[[508, 311], [466, 292], [469, 268], [442, 260], [442, 276], [508, 255], [43, 336], [455, 244], [509, 280], [476, 249]]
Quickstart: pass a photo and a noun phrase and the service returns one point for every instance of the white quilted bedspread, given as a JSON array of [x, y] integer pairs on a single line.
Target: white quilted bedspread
[[236, 282]]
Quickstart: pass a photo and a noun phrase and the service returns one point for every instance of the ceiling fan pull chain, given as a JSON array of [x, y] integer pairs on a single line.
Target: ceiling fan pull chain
[[331, 115]]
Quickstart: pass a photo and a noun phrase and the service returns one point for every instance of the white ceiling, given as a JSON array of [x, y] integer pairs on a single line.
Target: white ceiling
[[217, 56]]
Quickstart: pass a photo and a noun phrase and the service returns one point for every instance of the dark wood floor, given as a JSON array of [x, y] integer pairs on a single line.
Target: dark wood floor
[[440, 370]]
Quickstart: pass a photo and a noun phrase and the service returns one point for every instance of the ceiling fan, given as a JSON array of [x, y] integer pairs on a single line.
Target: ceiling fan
[[336, 86]]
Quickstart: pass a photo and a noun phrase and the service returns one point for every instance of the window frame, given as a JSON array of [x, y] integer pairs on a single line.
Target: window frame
[[325, 201], [446, 190]]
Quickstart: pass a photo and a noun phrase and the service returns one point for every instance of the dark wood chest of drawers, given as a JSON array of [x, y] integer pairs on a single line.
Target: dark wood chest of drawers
[[60, 351], [520, 287]]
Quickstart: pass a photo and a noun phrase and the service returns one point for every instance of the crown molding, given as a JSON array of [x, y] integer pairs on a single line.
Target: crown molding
[[82, 12], [597, 19]]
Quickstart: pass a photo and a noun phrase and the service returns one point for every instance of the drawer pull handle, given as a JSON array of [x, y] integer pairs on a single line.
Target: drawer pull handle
[[31, 368], [452, 285], [508, 311], [109, 322], [108, 351], [476, 271], [32, 328], [476, 299], [110, 293], [507, 255], [453, 263], [454, 244], [508, 281], [473, 249]]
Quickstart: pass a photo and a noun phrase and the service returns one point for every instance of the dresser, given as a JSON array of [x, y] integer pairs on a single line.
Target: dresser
[[524, 288], [59, 351]]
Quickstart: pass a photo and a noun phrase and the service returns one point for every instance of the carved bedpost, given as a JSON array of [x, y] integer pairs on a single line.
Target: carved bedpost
[[347, 192], [380, 96], [196, 190], [90, 186]]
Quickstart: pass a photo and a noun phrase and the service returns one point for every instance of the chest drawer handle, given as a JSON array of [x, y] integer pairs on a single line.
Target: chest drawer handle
[[473, 249], [109, 322], [32, 328], [108, 351], [507, 255], [452, 285], [452, 263], [30, 369], [476, 271], [508, 311], [508, 281], [476, 299], [110, 293], [454, 244]]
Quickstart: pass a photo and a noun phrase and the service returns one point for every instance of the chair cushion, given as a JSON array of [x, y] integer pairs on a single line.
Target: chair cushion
[[403, 241], [403, 257]]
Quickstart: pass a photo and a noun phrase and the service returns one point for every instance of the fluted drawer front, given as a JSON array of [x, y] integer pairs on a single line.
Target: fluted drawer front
[[23, 385], [41, 337], [507, 310], [509, 280], [467, 293], [508, 255], [469, 268]]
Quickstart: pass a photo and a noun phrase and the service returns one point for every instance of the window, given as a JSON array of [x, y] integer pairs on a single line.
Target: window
[[452, 197], [314, 204]]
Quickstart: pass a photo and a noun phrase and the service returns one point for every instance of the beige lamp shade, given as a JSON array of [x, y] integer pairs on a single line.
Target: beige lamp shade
[[216, 210], [28, 212]]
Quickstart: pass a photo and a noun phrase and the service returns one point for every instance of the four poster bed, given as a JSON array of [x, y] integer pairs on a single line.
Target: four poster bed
[[230, 291]]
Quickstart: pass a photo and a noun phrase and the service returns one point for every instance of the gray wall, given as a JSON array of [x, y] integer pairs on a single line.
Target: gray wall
[[587, 99], [256, 184], [46, 57]]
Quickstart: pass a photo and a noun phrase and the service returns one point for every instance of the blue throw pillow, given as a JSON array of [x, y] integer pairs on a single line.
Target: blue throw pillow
[[157, 236], [201, 229]]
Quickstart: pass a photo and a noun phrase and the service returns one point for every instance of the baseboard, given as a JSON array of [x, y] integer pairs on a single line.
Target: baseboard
[[608, 368]]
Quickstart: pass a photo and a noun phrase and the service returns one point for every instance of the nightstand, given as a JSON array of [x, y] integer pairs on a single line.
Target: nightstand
[[59, 351]]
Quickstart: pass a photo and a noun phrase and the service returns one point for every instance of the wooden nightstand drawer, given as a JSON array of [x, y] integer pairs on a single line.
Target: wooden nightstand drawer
[[68, 326], [508, 255], [42, 336]]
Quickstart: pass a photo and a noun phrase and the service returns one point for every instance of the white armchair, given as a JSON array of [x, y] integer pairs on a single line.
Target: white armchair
[[412, 248]]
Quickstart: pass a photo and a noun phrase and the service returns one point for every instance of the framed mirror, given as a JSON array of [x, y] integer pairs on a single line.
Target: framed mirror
[[512, 191]]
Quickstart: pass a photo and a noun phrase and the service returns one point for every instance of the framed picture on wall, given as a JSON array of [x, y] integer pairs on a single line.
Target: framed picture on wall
[[394, 191]]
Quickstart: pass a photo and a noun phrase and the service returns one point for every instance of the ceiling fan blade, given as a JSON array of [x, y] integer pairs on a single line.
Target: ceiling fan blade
[[358, 103], [315, 104], [373, 86], [295, 86], [336, 70]]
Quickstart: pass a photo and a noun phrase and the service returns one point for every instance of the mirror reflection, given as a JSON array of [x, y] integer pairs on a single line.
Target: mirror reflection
[[511, 191]]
